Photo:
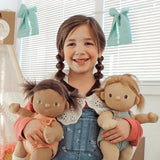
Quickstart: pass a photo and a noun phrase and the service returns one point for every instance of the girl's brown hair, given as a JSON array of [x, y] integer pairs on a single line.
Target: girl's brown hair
[[64, 30], [30, 88]]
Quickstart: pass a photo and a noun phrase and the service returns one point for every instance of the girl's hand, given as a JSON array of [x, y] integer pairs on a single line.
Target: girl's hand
[[33, 132], [119, 133]]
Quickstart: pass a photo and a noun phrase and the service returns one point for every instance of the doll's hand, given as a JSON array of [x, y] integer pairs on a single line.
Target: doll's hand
[[119, 133], [33, 132], [152, 117], [49, 135], [14, 107], [109, 124]]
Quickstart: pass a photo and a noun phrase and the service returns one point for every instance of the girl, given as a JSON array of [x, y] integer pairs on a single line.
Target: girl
[[80, 42]]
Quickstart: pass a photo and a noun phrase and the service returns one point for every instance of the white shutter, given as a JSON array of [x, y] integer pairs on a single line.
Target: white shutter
[[38, 53], [142, 57]]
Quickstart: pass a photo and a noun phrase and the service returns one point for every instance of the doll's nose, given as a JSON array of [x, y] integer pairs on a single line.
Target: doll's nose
[[47, 105], [118, 97]]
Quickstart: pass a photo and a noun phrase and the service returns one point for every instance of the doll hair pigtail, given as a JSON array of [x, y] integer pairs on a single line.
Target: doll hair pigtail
[[99, 66], [60, 66], [140, 105], [28, 88]]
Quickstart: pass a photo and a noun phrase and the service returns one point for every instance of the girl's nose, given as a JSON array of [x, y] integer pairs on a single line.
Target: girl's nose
[[79, 49]]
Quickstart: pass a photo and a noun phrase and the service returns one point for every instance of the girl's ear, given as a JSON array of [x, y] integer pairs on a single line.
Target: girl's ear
[[102, 95], [66, 106], [31, 99]]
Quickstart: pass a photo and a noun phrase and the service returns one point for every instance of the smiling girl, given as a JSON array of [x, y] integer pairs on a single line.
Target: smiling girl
[[80, 42]]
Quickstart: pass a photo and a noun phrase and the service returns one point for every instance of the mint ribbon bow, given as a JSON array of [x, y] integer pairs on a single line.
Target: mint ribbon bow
[[120, 32], [29, 24]]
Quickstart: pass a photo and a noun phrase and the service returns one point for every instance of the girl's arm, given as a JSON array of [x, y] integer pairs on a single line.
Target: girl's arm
[[135, 132]]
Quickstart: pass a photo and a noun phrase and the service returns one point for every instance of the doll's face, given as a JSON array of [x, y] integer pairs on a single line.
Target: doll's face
[[119, 97], [49, 103]]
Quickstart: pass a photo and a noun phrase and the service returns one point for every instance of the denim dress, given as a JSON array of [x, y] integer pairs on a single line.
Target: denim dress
[[80, 139]]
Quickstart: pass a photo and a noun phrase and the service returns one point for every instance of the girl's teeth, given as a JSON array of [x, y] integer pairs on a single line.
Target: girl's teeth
[[81, 60]]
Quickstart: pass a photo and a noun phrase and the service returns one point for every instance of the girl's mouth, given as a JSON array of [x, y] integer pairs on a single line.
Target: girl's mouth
[[81, 60]]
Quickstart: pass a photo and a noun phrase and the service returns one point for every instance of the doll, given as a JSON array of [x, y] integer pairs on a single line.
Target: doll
[[49, 99], [120, 93]]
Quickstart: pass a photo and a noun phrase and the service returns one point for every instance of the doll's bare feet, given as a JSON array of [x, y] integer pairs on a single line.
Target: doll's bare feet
[[14, 107], [152, 117], [109, 124]]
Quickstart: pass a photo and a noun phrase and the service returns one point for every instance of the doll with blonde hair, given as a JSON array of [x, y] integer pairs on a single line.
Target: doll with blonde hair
[[120, 93]]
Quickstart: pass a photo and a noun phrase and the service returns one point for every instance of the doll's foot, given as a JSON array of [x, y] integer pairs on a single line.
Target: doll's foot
[[152, 117]]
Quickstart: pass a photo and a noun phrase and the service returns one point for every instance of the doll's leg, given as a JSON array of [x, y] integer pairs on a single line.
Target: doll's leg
[[110, 151], [42, 154], [126, 154], [19, 152]]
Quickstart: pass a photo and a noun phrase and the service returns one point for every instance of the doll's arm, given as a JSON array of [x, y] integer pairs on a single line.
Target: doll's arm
[[146, 118], [106, 121], [22, 112], [53, 133]]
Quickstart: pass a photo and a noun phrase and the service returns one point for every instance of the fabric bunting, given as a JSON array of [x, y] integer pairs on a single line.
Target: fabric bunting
[[120, 32], [29, 24]]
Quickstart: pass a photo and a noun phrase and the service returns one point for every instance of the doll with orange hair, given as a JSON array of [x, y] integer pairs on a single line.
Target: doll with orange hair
[[120, 93]]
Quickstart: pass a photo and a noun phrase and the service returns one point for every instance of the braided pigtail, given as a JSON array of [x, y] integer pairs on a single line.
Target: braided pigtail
[[60, 66], [99, 66]]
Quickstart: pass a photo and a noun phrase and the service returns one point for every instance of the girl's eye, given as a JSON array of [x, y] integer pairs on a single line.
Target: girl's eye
[[39, 101], [89, 43], [56, 104], [71, 44], [125, 96], [110, 95]]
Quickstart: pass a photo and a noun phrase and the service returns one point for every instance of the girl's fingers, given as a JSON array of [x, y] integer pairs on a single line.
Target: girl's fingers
[[109, 133], [112, 136], [36, 138], [31, 140], [116, 140]]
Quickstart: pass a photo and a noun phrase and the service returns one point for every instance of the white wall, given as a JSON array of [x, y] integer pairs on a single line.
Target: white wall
[[152, 131], [8, 4]]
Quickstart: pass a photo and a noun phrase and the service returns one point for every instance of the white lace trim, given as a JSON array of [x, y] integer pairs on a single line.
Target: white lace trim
[[71, 116]]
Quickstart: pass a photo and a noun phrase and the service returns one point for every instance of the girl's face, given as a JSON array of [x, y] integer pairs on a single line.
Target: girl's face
[[80, 50]]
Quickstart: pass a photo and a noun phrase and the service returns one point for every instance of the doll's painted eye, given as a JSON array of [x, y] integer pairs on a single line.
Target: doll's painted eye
[[56, 104], [110, 95], [39, 101], [125, 96]]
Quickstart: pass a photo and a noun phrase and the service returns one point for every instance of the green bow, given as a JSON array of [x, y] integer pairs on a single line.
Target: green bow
[[120, 32], [29, 24]]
